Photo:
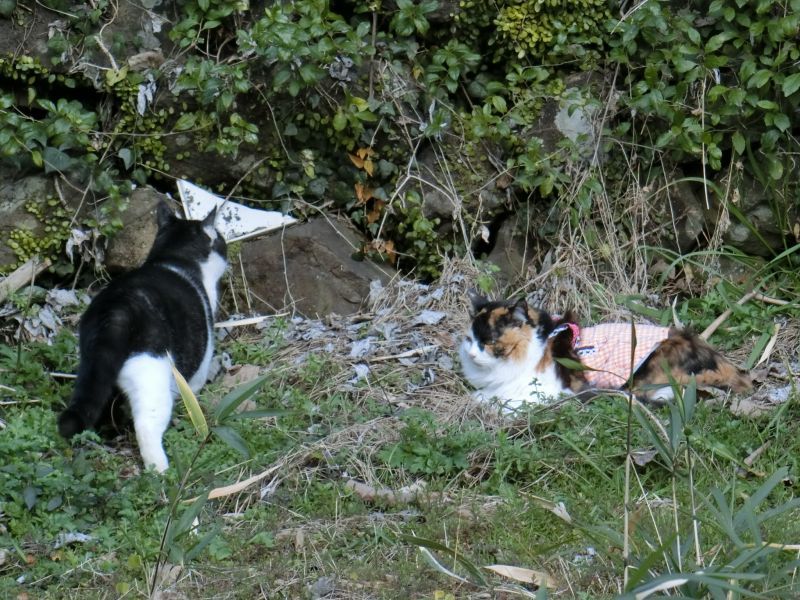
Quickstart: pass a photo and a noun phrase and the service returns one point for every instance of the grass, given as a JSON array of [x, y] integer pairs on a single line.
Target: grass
[[544, 491]]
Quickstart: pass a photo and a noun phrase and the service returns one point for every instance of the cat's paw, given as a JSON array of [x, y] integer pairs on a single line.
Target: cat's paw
[[70, 422]]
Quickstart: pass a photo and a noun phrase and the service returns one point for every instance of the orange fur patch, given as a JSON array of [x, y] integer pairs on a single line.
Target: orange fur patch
[[513, 343]]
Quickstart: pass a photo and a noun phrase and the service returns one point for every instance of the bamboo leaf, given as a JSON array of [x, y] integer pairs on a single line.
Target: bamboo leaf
[[235, 397], [191, 403], [231, 437], [434, 545]]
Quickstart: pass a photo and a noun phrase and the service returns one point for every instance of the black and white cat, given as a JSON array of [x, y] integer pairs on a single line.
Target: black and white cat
[[160, 312]]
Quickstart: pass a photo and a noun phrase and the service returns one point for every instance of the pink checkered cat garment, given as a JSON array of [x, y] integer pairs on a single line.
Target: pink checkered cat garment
[[607, 348]]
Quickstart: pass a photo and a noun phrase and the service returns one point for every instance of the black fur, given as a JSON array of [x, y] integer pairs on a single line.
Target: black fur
[[151, 309]]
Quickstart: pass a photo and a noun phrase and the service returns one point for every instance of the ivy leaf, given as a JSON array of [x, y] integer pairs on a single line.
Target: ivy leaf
[[126, 155], [791, 84], [55, 160]]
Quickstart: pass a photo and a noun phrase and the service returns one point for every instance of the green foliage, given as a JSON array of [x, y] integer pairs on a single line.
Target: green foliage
[[552, 30], [715, 83], [417, 236], [425, 448]]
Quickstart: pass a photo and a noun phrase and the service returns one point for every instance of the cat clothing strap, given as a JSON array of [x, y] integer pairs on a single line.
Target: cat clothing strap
[[607, 348]]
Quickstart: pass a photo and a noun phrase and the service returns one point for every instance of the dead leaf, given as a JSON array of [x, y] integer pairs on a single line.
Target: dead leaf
[[358, 162], [557, 508], [369, 167], [522, 575], [239, 374], [363, 193], [375, 214]]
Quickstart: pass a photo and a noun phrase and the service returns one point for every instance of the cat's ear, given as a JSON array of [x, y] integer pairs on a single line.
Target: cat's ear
[[164, 214], [210, 218], [476, 300], [519, 311], [208, 224]]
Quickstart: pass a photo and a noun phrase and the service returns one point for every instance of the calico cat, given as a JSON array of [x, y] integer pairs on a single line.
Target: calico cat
[[511, 349], [162, 311]]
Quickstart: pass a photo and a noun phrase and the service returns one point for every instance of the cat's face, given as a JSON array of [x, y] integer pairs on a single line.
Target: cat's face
[[502, 332]]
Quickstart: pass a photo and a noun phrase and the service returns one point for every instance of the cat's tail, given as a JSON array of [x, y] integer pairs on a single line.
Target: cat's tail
[[101, 362], [686, 354]]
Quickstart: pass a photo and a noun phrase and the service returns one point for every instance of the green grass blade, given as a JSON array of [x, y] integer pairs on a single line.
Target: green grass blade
[[235, 397], [261, 414], [231, 437]]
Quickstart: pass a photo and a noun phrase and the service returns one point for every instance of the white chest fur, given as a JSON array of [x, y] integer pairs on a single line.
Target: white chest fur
[[512, 382], [210, 272]]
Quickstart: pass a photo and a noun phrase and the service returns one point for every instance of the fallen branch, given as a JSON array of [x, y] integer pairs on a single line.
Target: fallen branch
[[406, 354], [709, 331], [368, 493], [247, 321], [22, 275]]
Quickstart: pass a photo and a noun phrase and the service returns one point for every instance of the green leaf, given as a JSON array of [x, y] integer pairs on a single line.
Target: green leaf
[[30, 495], [456, 555], [231, 437], [186, 121], [55, 160], [738, 141], [339, 121], [574, 365], [775, 168], [715, 42], [791, 84], [191, 403], [185, 523], [499, 104], [781, 121], [195, 550], [126, 155], [236, 396], [759, 78]]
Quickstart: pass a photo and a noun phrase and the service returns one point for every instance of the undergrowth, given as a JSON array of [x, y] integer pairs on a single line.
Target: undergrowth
[[365, 498]]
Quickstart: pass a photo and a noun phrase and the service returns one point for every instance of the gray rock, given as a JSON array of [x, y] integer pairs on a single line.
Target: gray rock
[[510, 254], [311, 268], [129, 247], [572, 117], [15, 194], [755, 203], [322, 587]]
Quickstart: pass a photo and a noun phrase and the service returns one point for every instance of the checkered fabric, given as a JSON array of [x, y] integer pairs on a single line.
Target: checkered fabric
[[607, 348]]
